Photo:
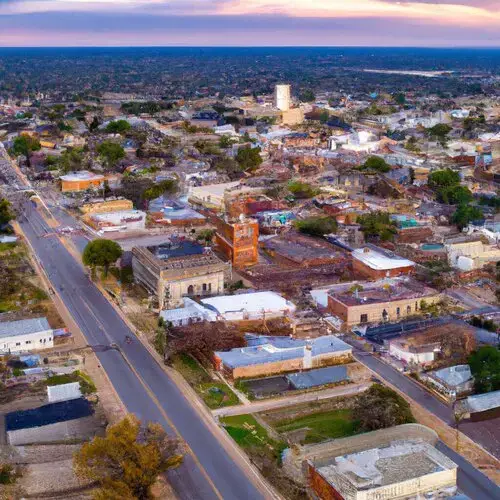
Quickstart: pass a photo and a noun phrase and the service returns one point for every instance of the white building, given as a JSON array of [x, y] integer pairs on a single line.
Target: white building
[[411, 354], [25, 335], [248, 306], [123, 220], [282, 97]]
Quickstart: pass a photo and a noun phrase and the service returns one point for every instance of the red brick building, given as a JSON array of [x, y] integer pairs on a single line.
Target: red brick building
[[238, 241]]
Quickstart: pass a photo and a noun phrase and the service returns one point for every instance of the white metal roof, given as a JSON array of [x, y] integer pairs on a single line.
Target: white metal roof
[[250, 302], [379, 261]]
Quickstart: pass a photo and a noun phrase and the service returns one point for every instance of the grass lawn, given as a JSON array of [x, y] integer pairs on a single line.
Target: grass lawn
[[86, 384], [214, 394], [321, 425], [249, 434]]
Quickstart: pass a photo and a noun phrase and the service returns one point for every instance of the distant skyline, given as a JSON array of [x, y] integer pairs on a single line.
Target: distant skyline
[[419, 23]]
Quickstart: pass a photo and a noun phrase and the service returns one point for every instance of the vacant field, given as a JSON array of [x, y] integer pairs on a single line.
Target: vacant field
[[264, 451], [214, 394], [321, 426]]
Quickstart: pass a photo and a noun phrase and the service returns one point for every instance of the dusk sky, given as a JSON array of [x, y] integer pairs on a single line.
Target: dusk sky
[[249, 22]]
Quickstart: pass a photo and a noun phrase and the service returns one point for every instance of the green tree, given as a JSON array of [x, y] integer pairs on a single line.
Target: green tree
[[302, 190], [127, 461], [324, 116], [25, 145], [443, 178], [465, 214], [94, 124], [375, 164], [157, 190], [399, 98], [380, 407], [71, 160], [225, 142], [307, 95], [439, 132], [101, 253], [249, 159], [485, 367], [377, 225], [6, 213], [206, 235], [317, 226], [455, 195], [111, 152], [118, 127]]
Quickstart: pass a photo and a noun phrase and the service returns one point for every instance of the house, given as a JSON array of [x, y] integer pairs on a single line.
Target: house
[[192, 312], [413, 354], [238, 241], [249, 306], [25, 335], [405, 468], [81, 181], [172, 212], [389, 299], [376, 263], [124, 220], [178, 268], [467, 253], [452, 382], [265, 355], [483, 406]]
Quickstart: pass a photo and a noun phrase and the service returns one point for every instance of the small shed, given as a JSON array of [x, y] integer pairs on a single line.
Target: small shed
[[64, 392]]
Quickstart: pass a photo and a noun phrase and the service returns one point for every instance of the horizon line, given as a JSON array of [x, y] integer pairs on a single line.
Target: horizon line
[[440, 47]]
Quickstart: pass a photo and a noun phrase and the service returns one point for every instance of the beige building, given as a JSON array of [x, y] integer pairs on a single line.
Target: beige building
[[390, 299], [101, 206], [471, 254], [177, 269], [404, 469]]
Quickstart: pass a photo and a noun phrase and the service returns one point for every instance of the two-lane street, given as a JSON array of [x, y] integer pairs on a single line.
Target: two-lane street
[[145, 388]]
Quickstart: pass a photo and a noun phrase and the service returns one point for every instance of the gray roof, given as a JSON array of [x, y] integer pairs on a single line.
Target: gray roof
[[23, 327], [265, 349], [316, 378], [483, 402], [453, 375]]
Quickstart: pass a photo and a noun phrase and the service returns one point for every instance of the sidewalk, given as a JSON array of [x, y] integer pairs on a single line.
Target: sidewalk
[[307, 397]]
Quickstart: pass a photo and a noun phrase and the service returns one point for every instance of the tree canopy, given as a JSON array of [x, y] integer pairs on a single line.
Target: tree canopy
[[302, 190], [249, 159], [443, 178], [156, 190], [485, 367], [375, 164], [380, 407], [118, 127], [25, 145], [307, 95], [317, 226], [465, 214], [101, 253], [377, 225], [6, 213], [439, 132], [127, 461], [111, 152]]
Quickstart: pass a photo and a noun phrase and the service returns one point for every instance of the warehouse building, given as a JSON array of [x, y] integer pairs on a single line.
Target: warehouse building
[[25, 335]]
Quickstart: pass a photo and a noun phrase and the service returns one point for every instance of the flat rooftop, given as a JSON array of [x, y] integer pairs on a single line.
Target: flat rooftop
[[483, 402], [23, 327], [82, 175], [380, 291], [398, 462], [380, 259]]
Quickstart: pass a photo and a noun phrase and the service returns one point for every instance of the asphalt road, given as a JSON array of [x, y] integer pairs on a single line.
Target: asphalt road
[[146, 390], [470, 480]]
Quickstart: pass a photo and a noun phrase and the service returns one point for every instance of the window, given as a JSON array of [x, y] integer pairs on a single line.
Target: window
[[49, 339], [408, 309], [398, 312], [190, 290], [28, 342], [363, 318], [18, 343], [385, 315], [416, 306], [210, 287], [204, 287]]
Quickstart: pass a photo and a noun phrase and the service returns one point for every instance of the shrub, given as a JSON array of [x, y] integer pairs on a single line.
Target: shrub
[[317, 226]]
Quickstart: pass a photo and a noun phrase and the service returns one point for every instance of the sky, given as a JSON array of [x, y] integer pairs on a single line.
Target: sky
[[417, 23]]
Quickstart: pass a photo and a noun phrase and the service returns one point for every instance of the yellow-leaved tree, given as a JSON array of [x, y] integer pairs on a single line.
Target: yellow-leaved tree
[[127, 461]]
